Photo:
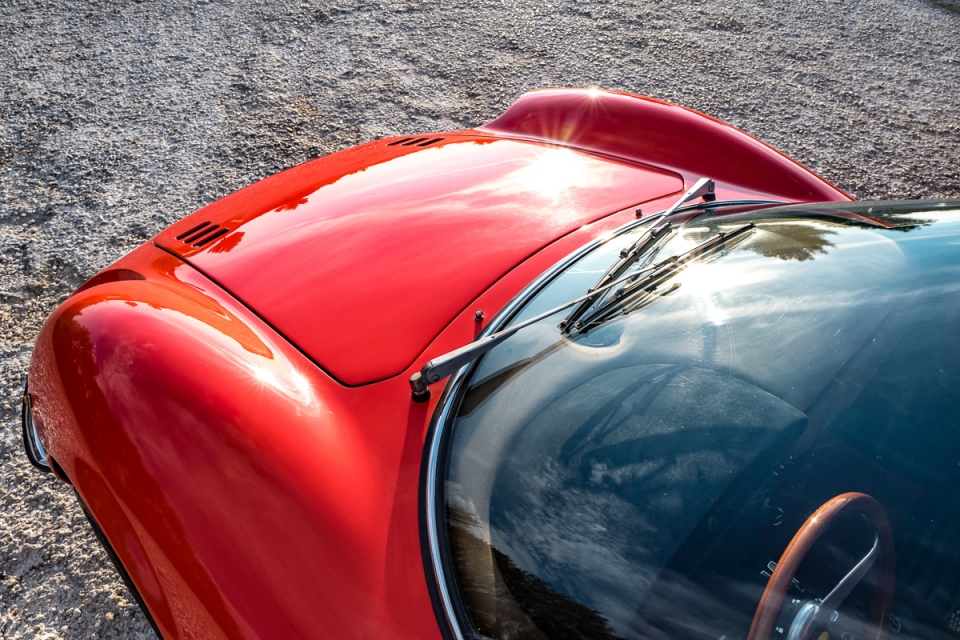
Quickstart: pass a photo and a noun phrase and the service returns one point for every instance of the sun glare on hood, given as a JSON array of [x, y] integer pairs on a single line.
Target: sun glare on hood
[[555, 172]]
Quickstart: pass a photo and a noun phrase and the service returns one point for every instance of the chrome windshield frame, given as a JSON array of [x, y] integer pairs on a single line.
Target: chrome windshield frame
[[436, 448], [451, 397]]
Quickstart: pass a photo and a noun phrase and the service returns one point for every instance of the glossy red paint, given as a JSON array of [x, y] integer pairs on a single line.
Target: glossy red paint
[[460, 213], [249, 493], [650, 131]]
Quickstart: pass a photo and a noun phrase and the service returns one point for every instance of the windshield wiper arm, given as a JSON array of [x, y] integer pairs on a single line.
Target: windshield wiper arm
[[442, 366], [653, 277], [439, 368], [703, 187]]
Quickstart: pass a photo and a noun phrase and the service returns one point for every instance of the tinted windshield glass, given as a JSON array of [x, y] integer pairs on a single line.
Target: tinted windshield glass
[[643, 479]]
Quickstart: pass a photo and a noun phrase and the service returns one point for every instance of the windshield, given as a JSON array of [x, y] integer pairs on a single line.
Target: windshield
[[643, 479]]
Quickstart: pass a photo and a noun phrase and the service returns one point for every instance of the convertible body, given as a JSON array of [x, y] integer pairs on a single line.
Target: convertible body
[[231, 401]]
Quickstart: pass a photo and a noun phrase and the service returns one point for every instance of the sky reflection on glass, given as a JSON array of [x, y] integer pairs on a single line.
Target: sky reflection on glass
[[614, 484]]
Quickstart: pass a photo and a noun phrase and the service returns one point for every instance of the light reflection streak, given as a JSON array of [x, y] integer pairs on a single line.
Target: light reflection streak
[[553, 173], [702, 282], [505, 178], [275, 373], [291, 383]]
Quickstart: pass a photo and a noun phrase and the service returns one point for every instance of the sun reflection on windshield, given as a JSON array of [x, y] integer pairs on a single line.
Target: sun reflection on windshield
[[702, 282]]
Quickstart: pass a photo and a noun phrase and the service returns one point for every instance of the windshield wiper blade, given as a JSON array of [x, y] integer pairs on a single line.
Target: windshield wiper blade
[[654, 276], [627, 257], [703, 187], [439, 368]]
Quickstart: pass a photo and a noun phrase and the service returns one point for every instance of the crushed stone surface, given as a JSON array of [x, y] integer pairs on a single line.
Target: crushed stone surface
[[119, 117]]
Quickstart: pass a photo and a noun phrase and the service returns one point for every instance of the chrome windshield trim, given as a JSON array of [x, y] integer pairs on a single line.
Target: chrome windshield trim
[[445, 407], [430, 503], [36, 454], [716, 204]]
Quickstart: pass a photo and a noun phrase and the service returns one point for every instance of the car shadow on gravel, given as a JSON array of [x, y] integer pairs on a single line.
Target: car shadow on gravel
[[949, 5]]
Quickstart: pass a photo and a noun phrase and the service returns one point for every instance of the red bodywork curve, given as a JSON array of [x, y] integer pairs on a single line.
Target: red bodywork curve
[[665, 135], [248, 493]]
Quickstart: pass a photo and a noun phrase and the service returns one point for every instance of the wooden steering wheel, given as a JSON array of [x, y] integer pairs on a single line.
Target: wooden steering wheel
[[811, 620]]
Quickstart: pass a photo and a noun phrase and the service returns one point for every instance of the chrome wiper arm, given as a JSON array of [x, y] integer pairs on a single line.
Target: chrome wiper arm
[[440, 367], [654, 276], [703, 187], [628, 256]]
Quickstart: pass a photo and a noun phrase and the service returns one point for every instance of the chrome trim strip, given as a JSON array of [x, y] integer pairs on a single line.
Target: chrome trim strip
[[36, 454], [453, 387], [432, 530], [730, 203], [35, 439]]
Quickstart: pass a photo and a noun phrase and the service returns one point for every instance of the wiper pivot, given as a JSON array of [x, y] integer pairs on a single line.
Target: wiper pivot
[[442, 366], [703, 187]]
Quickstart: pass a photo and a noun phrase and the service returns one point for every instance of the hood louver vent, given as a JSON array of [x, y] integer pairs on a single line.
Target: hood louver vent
[[203, 234], [409, 142]]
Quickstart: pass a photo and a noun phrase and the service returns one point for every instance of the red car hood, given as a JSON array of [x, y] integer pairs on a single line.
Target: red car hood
[[362, 257]]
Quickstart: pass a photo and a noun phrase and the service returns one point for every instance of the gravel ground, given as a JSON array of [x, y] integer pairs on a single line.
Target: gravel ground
[[118, 118]]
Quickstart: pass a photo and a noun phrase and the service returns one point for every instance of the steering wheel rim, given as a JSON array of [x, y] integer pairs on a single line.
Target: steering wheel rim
[[793, 556]]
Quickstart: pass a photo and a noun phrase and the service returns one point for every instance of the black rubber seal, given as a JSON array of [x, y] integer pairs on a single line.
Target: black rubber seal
[[459, 612], [58, 471]]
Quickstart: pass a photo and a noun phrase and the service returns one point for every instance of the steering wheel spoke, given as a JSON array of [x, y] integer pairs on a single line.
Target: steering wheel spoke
[[840, 592]]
